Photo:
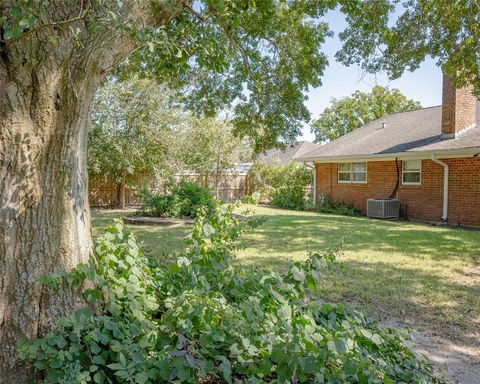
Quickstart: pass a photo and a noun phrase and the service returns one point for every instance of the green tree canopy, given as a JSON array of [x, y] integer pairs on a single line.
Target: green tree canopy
[[207, 146], [131, 124], [137, 128], [210, 147], [348, 113], [257, 57], [384, 35]]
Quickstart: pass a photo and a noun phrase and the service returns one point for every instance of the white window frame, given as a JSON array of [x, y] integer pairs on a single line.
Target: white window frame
[[351, 172], [419, 171]]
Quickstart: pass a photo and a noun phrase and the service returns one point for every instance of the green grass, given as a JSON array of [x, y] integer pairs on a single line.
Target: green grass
[[425, 274]]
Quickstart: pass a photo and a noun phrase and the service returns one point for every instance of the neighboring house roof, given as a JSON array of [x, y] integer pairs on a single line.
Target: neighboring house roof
[[290, 153], [411, 133]]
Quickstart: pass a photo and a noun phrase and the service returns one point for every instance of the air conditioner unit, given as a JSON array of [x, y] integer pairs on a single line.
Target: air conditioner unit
[[383, 208]]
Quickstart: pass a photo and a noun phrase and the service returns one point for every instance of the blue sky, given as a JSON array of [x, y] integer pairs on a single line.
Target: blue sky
[[424, 85]]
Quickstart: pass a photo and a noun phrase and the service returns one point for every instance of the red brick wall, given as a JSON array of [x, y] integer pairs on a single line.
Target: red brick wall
[[464, 191], [423, 202]]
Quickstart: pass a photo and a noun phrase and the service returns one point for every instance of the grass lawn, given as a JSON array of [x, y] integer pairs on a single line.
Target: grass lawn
[[425, 274]]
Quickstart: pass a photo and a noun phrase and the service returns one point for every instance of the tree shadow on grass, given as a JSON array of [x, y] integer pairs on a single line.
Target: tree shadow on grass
[[154, 241]]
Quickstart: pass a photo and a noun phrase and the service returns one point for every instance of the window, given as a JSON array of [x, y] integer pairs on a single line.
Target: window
[[412, 172], [344, 172], [352, 172]]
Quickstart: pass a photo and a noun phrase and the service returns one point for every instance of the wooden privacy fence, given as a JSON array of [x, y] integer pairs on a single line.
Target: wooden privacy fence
[[103, 191]]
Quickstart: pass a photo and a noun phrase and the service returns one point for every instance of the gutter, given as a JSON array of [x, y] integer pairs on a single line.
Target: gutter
[[444, 153], [314, 189], [445, 186]]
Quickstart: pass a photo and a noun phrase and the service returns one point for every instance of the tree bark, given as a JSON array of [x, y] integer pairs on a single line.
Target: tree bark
[[122, 195], [44, 216], [47, 84]]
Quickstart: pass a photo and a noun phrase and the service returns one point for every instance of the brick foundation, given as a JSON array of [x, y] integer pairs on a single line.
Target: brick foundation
[[423, 202]]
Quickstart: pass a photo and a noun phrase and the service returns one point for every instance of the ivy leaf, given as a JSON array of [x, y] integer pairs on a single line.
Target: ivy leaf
[[208, 230], [376, 339], [285, 312], [298, 274], [331, 346], [340, 346], [183, 261], [226, 368], [234, 351], [174, 268], [252, 350], [122, 360], [141, 377], [95, 349], [366, 333]]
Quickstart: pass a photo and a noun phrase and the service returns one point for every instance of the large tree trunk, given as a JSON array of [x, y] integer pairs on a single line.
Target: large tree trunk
[[44, 216], [47, 82]]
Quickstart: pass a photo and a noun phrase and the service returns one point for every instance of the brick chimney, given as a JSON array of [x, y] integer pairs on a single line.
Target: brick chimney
[[459, 108]]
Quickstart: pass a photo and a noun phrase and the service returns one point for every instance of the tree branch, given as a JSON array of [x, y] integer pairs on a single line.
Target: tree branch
[[80, 16]]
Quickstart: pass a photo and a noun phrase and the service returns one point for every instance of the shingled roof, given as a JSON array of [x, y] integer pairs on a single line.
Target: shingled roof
[[290, 153], [412, 133]]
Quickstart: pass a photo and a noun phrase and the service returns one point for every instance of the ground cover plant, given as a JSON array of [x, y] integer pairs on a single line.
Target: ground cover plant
[[200, 319], [183, 199], [424, 274], [335, 207]]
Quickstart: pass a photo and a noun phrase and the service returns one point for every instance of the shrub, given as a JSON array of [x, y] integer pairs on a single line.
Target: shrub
[[283, 186], [254, 198], [200, 319], [336, 207], [185, 199]]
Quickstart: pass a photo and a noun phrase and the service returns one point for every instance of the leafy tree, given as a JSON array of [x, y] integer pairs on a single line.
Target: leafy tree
[[283, 186], [263, 55], [137, 128], [382, 35], [131, 129], [210, 148], [348, 113]]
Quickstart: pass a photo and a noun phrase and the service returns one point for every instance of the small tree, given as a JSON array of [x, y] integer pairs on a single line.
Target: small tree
[[282, 186], [348, 113], [130, 133], [209, 147]]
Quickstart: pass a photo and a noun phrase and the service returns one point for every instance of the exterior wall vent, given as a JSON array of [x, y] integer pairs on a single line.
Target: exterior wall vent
[[383, 208]]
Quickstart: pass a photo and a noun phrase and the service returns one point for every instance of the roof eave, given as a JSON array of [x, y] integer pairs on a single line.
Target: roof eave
[[444, 153]]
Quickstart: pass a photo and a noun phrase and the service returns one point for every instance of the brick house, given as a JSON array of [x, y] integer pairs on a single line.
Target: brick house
[[427, 159]]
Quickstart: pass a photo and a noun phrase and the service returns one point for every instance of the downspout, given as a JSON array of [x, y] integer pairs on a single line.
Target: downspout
[[445, 186], [314, 189]]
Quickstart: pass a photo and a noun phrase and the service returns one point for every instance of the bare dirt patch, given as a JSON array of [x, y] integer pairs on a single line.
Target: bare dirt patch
[[454, 359]]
